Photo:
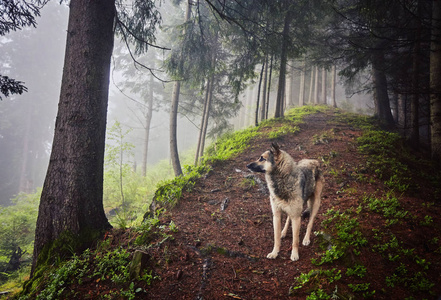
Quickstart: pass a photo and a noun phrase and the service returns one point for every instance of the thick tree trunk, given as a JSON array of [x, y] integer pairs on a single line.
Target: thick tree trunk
[[381, 97], [435, 82], [71, 213], [148, 121]]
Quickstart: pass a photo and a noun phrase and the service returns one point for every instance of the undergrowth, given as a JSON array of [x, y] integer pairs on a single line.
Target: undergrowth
[[343, 238]]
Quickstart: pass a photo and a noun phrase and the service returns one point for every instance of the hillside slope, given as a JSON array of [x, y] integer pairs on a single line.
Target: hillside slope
[[219, 253], [377, 233]]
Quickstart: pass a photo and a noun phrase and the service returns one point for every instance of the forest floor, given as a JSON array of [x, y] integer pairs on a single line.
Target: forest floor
[[223, 230]]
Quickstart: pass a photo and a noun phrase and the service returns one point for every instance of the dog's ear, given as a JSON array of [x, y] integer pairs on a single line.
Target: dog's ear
[[275, 149]]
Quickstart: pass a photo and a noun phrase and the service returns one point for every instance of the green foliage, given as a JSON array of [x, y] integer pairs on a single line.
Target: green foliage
[[357, 270], [230, 144], [385, 153], [347, 236], [125, 191], [17, 228], [98, 266], [169, 192], [389, 206], [283, 130]]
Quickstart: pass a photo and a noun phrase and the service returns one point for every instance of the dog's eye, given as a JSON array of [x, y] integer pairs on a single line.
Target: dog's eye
[[261, 158]]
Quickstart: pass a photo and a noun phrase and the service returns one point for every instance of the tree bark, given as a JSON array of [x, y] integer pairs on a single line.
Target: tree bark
[[264, 98], [256, 121], [323, 86], [201, 130], [381, 97], [302, 84], [71, 203], [283, 60], [435, 82], [333, 86], [311, 84], [148, 121], [174, 154], [415, 100], [316, 85], [269, 88]]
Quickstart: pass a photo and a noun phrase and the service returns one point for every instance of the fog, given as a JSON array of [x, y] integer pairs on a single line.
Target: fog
[[35, 56]]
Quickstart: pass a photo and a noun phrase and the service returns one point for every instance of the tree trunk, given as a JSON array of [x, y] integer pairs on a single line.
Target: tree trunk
[[207, 115], [302, 84], [174, 154], [323, 86], [269, 88], [256, 121], [290, 88], [415, 100], [283, 60], [201, 130], [148, 121], [333, 86], [311, 84], [264, 99], [435, 82], [316, 85], [71, 213], [381, 97]]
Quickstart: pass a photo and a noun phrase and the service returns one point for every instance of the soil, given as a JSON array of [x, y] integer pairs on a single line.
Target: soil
[[224, 227]]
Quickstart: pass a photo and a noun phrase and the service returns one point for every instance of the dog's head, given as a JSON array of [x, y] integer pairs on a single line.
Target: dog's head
[[266, 161]]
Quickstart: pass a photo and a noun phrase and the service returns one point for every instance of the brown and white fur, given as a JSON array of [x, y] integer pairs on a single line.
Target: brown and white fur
[[291, 184]]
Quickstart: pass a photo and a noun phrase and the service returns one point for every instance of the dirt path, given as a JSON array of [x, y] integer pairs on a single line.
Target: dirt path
[[219, 251]]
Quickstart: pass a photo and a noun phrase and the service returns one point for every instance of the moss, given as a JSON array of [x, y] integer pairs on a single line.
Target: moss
[[53, 253]]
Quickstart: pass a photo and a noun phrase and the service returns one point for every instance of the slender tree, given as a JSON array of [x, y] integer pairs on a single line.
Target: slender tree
[[435, 82]]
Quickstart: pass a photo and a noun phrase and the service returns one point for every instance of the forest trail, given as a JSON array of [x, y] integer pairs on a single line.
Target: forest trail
[[225, 229], [377, 231]]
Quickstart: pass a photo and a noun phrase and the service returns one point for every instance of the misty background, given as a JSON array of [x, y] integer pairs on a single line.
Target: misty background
[[36, 55]]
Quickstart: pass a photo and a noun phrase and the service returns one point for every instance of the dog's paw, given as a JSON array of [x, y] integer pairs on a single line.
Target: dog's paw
[[294, 256], [306, 242], [272, 255]]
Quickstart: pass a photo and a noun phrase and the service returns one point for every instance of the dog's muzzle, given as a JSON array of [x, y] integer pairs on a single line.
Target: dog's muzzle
[[256, 167]]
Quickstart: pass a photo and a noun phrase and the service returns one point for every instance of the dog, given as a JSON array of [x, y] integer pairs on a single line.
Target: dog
[[291, 184]]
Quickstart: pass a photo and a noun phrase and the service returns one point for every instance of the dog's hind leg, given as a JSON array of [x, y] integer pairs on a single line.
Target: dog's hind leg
[[295, 237], [315, 205], [285, 228], [277, 224]]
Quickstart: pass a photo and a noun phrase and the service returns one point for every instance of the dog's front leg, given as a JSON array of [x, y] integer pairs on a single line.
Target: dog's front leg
[[277, 225], [295, 238]]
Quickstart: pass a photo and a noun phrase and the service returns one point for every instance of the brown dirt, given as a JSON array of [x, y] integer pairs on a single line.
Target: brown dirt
[[221, 254]]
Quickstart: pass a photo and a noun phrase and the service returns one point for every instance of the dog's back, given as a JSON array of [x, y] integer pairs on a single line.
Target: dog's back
[[290, 180]]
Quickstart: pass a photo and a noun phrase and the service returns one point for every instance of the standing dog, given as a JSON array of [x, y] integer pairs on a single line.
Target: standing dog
[[291, 184]]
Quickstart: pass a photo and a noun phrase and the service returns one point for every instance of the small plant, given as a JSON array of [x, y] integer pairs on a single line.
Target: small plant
[[428, 220], [357, 270]]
